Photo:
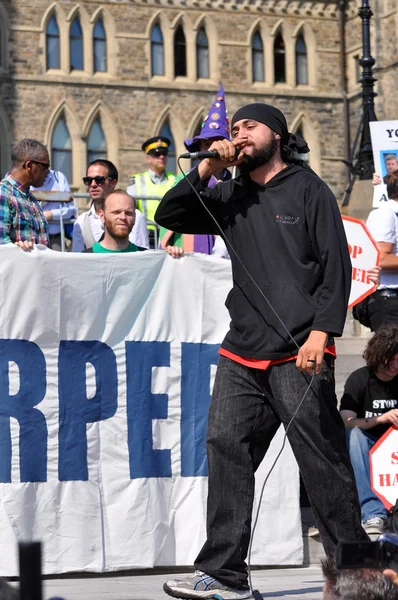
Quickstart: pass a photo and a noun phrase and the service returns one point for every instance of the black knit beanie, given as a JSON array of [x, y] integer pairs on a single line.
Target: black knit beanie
[[275, 120]]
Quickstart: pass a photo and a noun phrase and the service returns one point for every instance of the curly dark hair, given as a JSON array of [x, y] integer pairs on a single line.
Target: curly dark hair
[[382, 347]]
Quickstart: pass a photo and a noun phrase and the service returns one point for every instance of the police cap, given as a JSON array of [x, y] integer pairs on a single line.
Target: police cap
[[156, 145]]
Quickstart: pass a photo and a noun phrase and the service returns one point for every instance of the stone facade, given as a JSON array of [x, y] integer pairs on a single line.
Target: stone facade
[[133, 105]]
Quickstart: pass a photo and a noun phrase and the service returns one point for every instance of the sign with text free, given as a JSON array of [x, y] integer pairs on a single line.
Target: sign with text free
[[364, 253], [383, 459]]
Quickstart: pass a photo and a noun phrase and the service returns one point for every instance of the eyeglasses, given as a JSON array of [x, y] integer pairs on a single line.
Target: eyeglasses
[[43, 164], [158, 152], [99, 180]]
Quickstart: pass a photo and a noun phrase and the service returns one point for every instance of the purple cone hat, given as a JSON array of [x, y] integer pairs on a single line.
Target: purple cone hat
[[215, 124]]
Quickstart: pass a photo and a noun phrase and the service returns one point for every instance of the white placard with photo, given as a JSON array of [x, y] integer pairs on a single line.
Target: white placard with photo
[[384, 135]]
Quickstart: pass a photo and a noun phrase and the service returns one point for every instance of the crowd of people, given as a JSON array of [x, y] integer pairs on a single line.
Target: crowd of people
[[276, 366], [30, 173]]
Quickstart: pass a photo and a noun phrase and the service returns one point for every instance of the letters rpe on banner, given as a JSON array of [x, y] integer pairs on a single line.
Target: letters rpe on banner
[[384, 136], [106, 371], [107, 342]]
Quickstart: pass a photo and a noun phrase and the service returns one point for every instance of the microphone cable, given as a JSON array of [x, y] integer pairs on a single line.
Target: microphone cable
[[256, 593]]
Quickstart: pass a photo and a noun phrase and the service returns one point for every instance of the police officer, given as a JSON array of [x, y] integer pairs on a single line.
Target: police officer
[[156, 181]]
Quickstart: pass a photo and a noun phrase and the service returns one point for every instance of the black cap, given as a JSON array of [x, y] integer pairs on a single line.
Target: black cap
[[156, 145]]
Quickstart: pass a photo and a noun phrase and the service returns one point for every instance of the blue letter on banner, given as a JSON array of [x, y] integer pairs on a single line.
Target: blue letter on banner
[[195, 400], [75, 409], [32, 423], [143, 406]]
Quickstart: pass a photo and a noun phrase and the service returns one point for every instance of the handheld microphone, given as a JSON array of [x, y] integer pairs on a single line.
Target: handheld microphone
[[206, 154]]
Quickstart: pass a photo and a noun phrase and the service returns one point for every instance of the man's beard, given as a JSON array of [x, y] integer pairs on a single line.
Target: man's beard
[[259, 157], [114, 233]]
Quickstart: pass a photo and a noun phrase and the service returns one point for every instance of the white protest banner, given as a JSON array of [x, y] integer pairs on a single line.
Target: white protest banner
[[380, 196], [364, 253], [106, 370], [384, 136], [383, 459]]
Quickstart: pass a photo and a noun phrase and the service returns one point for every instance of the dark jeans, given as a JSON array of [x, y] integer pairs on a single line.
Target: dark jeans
[[383, 310], [247, 408]]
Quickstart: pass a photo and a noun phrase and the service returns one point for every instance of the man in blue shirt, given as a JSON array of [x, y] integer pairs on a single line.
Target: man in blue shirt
[[56, 182]]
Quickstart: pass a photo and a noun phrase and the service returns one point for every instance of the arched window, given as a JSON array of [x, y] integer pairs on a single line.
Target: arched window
[[197, 130], [99, 47], [301, 61], [171, 161], [157, 51], [257, 58], [305, 157], [4, 34], [180, 53], [202, 55], [52, 44], [358, 72], [6, 143], [279, 59], [61, 149], [96, 142], [76, 46]]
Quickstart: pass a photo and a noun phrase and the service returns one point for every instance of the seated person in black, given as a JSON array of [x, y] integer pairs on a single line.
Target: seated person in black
[[369, 408]]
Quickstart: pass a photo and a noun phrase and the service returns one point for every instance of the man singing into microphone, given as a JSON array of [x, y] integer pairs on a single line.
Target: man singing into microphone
[[284, 224]]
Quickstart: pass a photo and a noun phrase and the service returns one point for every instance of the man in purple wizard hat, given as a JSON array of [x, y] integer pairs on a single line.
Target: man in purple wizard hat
[[214, 127]]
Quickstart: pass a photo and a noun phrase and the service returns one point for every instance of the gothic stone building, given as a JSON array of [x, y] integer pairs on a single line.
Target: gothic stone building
[[94, 79]]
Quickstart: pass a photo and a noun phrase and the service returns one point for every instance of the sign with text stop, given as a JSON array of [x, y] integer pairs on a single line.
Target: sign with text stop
[[383, 459], [364, 253]]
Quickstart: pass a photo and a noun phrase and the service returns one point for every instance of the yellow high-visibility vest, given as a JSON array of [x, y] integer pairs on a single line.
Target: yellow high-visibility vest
[[146, 187]]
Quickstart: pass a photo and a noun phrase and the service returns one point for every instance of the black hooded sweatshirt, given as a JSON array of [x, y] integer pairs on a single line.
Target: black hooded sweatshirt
[[289, 235]]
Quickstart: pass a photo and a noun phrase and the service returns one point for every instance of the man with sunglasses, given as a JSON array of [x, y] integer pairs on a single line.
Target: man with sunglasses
[[154, 182], [101, 180], [22, 221]]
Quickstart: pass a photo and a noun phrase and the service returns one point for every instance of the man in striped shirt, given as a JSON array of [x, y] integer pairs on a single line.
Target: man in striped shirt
[[22, 221]]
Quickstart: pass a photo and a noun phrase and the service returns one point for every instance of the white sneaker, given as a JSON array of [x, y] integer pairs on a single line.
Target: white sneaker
[[313, 532], [374, 526], [200, 585], [309, 530]]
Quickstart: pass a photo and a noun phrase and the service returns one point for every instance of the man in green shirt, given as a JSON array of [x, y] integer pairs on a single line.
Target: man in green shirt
[[118, 216]]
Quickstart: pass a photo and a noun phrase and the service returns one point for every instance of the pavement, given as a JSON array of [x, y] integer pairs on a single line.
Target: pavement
[[303, 583]]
